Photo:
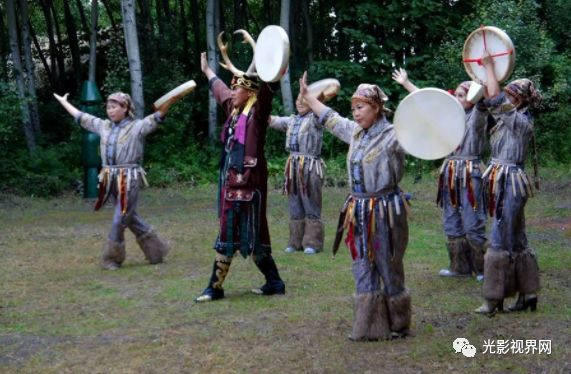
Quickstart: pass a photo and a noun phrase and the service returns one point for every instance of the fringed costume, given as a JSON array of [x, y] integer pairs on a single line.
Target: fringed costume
[[375, 217], [122, 146], [462, 201], [510, 264], [303, 180]]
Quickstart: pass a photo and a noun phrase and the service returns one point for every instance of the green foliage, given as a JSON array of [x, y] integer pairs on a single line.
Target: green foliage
[[355, 42]]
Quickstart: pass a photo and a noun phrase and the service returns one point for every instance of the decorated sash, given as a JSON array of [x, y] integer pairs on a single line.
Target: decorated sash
[[123, 178], [455, 174], [294, 172]]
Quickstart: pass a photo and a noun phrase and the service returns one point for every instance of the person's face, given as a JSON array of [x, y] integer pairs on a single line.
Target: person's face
[[240, 96], [115, 111], [365, 114], [301, 106], [514, 100], [460, 95]]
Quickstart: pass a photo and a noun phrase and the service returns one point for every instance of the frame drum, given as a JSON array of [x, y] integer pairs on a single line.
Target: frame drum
[[175, 94], [429, 123], [272, 53], [329, 88], [499, 46]]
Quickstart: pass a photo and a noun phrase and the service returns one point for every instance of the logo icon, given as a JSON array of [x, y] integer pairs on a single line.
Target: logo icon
[[464, 346]]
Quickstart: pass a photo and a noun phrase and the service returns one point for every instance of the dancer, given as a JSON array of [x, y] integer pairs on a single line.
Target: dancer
[[122, 145], [242, 181], [460, 192], [510, 264], [374, 212]]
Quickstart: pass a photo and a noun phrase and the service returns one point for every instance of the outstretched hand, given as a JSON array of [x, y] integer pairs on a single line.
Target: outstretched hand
[[61, 99], [66, 104], [400, 76], [303, 84]]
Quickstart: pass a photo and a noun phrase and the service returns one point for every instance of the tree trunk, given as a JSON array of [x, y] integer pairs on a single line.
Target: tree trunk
[[58, 47], [81, 11], [3, 49], [196, 30], [109, 13], [30, 70], [212, 10], [52, 44], [309, 31], [93, 42], [285, 84], [42, 57], [132, 46], [17, 66], [73, 42], [184, 30]]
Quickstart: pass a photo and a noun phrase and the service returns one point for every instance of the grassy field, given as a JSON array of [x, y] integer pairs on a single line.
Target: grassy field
[[59, 313]]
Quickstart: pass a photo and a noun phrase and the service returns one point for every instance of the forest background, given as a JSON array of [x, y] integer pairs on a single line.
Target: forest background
[[45, 47]]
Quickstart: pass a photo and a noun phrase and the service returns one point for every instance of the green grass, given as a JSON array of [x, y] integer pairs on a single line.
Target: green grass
[[59, 313]]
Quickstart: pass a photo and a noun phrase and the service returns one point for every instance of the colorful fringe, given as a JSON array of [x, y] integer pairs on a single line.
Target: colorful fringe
[[294, 173], [455, 175], [122, 176], [495, 180]]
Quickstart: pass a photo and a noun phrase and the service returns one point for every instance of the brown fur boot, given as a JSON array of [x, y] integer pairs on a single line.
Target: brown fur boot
[[113, 255], [154, 248], [371, 322], [296, 228], [478, 253], [399, 307], [498, 275], [313, 236], [459, 251], [527, 272]]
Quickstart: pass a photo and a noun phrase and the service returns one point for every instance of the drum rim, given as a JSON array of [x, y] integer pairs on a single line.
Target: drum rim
[[397, 125], [502, 35], [285, 50]]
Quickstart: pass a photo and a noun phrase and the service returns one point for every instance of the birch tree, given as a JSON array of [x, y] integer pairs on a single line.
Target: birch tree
[[18, 75], [132, 46], [285, 84], [93, 41], [30, 81], [212, 9]]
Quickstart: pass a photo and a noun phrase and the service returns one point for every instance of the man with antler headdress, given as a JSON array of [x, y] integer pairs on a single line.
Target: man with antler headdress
[[243, 176]]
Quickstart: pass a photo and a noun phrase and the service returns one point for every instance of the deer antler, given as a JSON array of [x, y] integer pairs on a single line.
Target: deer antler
[[248, 39], [228, 65]]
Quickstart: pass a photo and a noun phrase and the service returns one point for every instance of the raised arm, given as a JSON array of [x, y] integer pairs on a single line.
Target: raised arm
[[401, 77], [492, 84], [67, 105], [317, 107], [208, 72]]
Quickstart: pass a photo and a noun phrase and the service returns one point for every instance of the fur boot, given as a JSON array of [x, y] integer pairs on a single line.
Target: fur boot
[[154, 248], [313, 236], [478, 253], [371, 320], [399, 307], [460, 256], [498, 275], [113, 255], [527, 272], [296, 228]]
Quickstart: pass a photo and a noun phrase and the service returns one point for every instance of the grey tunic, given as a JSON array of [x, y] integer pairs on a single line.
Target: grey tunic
[[506, 183], [122, 147]]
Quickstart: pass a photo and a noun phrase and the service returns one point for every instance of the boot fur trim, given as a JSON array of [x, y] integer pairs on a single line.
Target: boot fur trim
[[498, 275], [527, 272], [296, 228], [313, 236], [154, 248], [371, 322], [459, 252], [399, 307], [113, 254]]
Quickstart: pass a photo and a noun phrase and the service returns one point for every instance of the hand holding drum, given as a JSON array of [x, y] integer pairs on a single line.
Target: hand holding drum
[[171, 97]]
